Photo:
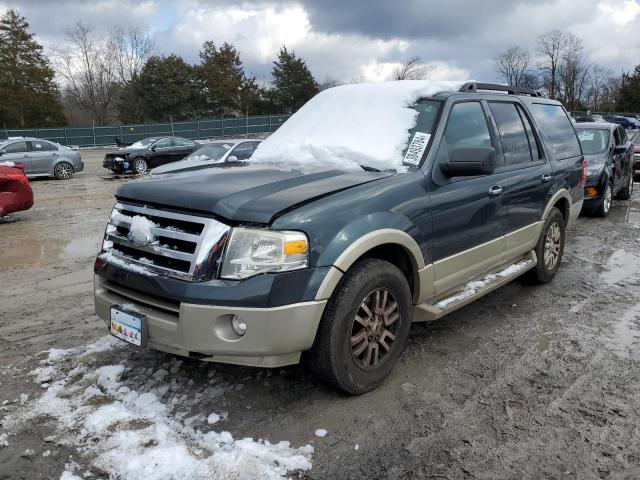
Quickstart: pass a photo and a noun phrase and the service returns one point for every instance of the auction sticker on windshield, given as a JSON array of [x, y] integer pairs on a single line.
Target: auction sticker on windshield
[[128, 326], [416, 148]]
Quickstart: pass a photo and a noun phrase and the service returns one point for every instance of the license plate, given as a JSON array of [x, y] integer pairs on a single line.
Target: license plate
[[128, 325]]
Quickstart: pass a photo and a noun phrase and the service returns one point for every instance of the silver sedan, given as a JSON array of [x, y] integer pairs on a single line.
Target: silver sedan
[[41, 158]]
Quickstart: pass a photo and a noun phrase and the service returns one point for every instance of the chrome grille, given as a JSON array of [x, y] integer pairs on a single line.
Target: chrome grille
[[175, 244]]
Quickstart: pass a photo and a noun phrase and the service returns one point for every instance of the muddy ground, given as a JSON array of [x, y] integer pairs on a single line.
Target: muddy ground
[[528, 382]]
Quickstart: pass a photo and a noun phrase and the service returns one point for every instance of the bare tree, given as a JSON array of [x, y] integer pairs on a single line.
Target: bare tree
[[412, 69], [87, 65], [131, 48], [550, 47], [513, 65], [573, 72], [597, 89]]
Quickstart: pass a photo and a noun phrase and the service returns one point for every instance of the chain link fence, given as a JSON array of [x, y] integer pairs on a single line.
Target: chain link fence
[[194, 130]]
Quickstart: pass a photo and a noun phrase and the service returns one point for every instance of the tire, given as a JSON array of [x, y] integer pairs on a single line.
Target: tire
[[63, 171], [554, 228], [626, 192], [353, 365], [605, 205], [139, 165]]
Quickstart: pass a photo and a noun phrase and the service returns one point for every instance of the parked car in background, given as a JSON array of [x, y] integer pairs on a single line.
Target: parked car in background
[[609, 165], [583, 119], [623, 121], [149, 153], [596, 117], [218, 152], [335, 240], [636, 153], [15, 193], [634, 121], [41, 158]]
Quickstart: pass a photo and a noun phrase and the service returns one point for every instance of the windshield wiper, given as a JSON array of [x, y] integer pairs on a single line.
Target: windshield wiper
[[367, 168]]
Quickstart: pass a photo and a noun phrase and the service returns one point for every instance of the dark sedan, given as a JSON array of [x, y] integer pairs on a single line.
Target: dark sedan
[[609, 156], [636, 153], [149, 153], [622, 121]]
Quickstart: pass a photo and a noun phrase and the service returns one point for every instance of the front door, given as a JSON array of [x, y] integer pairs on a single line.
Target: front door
[[162, 152], [18, 152], [469, 213], [41, 156]]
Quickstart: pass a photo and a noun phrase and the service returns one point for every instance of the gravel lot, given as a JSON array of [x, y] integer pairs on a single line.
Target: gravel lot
[[528, 382]]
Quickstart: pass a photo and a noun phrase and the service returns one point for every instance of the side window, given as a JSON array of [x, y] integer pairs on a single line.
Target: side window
[[52, 147], [466, 128], [39, 146], [243, 150], [163, 143], [16, 147], [558, 130], [536, 151], [514, 139], [182, 142]]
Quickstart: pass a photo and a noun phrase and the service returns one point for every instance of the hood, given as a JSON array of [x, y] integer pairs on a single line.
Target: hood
[[125, 151], [597, 159], [255, 194]]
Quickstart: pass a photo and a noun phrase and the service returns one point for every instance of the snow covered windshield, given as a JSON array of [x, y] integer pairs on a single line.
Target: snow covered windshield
[[367, 124], [144, 143], [212, 151]]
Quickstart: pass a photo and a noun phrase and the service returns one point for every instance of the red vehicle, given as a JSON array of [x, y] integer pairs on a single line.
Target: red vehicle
[[15, 193]]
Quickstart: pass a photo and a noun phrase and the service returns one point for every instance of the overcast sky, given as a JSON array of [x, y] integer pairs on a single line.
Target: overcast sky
[[342, 39]]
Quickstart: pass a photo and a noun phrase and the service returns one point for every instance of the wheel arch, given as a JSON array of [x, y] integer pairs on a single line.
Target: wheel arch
[[561, 200]]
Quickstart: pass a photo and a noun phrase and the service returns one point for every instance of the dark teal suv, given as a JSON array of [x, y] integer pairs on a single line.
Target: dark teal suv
[[374, 206]]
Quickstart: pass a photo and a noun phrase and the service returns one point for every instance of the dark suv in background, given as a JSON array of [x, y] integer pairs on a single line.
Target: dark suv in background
[[271, 263]]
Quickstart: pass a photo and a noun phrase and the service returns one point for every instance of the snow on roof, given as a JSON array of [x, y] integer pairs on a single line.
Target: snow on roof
[[365, 123]]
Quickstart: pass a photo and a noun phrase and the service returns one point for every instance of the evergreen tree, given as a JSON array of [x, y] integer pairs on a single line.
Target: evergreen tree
[[27, 88], [222, 77], [293, 83], [629, 94], [168, 88]]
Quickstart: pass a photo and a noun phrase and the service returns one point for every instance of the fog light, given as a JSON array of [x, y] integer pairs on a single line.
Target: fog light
[[239, 326]]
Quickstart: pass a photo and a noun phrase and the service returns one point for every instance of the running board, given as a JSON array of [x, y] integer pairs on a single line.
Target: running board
[[474, 289]]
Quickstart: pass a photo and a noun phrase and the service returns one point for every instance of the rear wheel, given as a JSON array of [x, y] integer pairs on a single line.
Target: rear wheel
[[364, 328], [549, 249], [607, 198], [627, 191], [140, 165], [63, 171]]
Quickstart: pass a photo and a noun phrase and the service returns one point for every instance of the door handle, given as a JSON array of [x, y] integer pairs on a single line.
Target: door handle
[[546, 178], [495, 191]]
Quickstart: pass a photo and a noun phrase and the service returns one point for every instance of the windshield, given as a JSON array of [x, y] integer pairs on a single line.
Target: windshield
[[593, 141], [213, 151], [144, 143]]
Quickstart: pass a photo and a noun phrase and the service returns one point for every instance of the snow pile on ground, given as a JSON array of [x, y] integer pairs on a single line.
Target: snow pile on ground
[[349, 125], [472, 287], [133, 434], [3, 440]]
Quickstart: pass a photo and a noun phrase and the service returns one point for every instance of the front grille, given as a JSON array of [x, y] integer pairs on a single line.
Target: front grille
[[179, 245]]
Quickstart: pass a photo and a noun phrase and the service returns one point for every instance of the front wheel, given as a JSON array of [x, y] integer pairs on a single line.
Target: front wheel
[[63, 171], [549, 249], [605, 203], [140, 165], [364, 328]]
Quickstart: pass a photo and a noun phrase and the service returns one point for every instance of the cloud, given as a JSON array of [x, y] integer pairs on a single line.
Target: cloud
[[343, 40]]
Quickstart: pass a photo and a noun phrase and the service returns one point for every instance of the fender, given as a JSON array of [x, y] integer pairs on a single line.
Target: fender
[[560, 193]]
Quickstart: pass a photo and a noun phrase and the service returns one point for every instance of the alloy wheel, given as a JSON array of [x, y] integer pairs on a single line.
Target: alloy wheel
[[552, 246], [140, 166], [374, 328], [606, 200], [64, 171]]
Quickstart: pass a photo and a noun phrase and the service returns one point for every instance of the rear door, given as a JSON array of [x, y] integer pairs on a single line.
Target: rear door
[[18, 152], [161, 152], [528, 175], [41, 156], [469, 213], [181, 148]]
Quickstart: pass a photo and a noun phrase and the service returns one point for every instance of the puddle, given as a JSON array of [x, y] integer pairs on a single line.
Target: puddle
[[612, 266], [33, 252], [626, 213], [626, 333]]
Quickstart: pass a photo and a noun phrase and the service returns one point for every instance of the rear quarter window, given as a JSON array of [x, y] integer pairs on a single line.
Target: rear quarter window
[[557, 128]]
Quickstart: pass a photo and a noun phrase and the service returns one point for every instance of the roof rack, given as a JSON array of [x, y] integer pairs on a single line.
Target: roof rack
[[474, 87]]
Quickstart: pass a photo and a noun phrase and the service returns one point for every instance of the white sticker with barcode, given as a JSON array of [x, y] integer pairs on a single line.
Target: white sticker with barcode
[[416, 149]]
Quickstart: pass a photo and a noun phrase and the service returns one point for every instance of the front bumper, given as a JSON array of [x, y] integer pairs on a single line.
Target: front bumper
[[275, 336], [116, 166]]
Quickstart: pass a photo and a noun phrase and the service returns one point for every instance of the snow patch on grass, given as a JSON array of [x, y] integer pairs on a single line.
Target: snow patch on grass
[[3, 440]]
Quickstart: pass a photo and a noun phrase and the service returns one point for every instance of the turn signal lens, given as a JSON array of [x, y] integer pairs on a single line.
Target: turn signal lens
[[295, 247], [591, 192]]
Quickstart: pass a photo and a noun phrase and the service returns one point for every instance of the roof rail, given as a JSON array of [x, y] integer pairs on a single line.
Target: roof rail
[[474, 87]]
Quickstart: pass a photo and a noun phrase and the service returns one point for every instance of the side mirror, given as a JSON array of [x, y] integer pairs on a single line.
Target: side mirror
[[153, 149], [468, 162], [232, 158]]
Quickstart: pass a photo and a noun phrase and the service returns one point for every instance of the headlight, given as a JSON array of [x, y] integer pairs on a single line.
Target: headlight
[[594, 171], [251, 251]]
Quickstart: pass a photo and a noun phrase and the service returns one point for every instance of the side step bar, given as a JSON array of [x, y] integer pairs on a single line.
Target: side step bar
[[474, 290]]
